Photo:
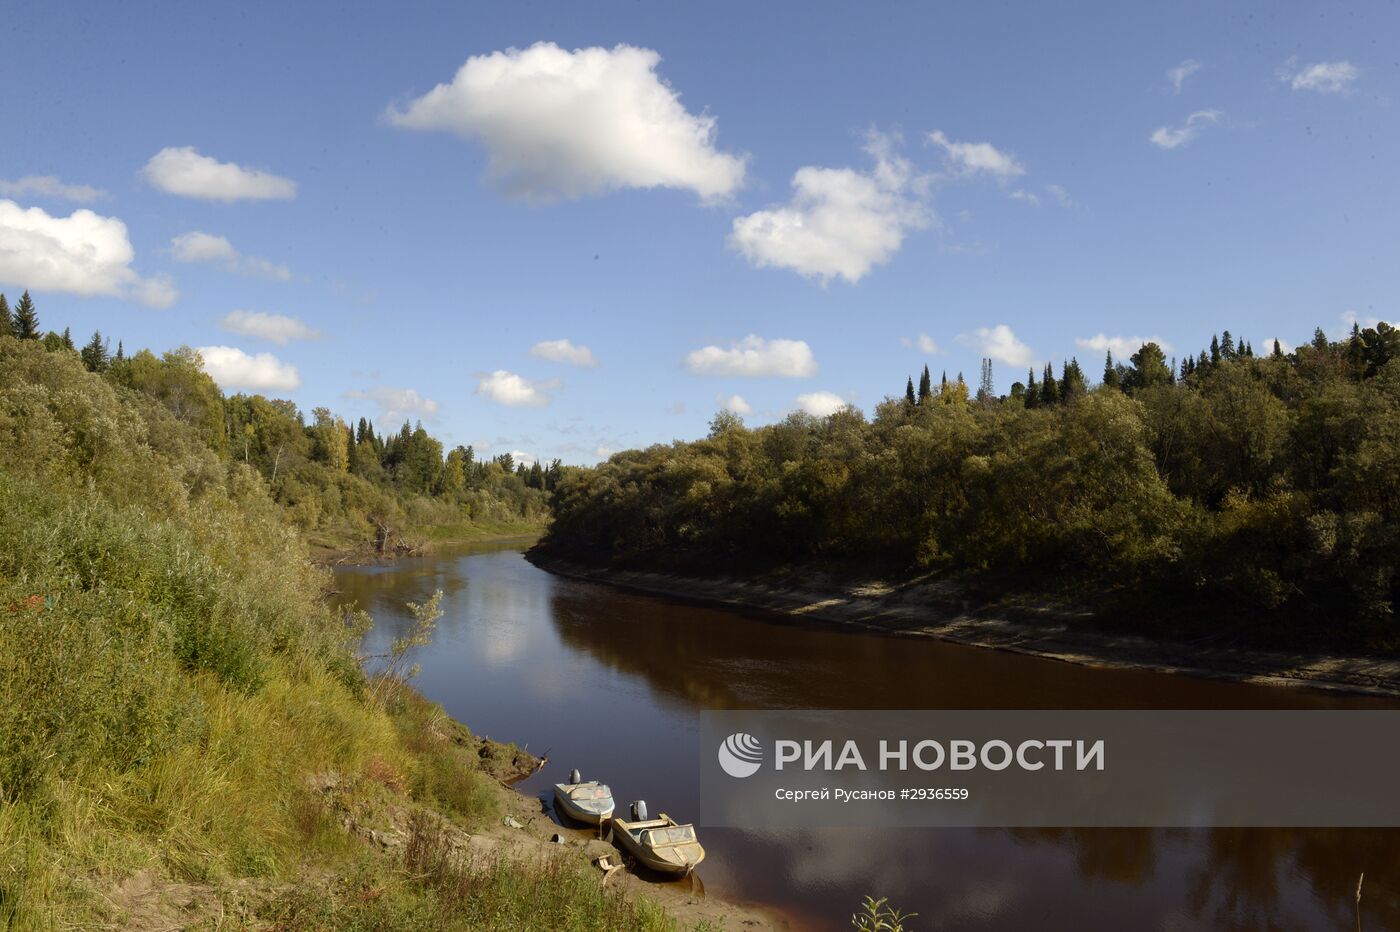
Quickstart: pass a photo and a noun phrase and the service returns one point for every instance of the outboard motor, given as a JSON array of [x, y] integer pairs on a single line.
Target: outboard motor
[[575, 776], [639, 811]]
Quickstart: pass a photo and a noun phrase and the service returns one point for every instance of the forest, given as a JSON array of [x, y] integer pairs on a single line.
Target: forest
[[1232, 494], [344, 487], [189, 737]]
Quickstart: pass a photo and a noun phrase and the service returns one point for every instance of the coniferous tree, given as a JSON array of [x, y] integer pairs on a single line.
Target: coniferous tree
[[68, 339], [909, 392], [1227, 345], [1215, 351], [986, 389], [1278, 349], [1171, 372], [1049, 388], [1356, 350], [1203, 361], [120, 354], [1033, 397], [94, 354], [1072, 384], [7, 323], [1110, 372], [925, 387], [1320, 341], [26, 318], [1149, 367]]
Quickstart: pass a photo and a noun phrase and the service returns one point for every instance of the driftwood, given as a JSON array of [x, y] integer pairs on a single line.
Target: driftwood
[[386, 540]]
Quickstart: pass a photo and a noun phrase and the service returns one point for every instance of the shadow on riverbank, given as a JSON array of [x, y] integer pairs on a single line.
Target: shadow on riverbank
[[938, 609]]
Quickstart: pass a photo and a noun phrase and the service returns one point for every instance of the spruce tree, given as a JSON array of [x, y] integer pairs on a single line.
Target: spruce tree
[[909, 392], [1214, 351], [986, 390], [68, 339], [1110, 373], [925, 387], [1072, 384], [26, 318], [1049, 388], [1278, 349], [1032, 390], [120, 354], [94, 354], [1227, 345], [7, 324]]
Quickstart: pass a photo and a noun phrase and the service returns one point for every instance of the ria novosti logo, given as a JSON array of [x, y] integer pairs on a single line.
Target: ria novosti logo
[[740, 755]]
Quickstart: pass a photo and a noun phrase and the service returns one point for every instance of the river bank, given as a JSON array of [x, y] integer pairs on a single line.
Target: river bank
[[937, 609], [426, 541]]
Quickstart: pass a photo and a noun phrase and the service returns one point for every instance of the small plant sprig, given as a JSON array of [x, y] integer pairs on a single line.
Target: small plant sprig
[[396, 670], [875, 916]]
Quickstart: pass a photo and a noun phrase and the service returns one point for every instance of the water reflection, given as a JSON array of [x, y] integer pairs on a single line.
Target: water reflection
[[612, 682]]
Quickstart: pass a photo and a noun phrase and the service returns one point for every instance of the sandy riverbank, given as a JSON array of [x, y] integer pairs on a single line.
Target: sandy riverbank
[[935, 609]]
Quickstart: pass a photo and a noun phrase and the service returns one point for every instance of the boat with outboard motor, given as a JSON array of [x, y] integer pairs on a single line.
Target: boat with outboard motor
[[584, 801], [662, 844]]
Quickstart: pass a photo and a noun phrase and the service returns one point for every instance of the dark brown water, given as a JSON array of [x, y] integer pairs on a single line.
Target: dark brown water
[[611, 682]]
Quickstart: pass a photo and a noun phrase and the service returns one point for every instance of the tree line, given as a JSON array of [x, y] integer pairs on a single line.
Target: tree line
[[1259, 490], [341, 482]]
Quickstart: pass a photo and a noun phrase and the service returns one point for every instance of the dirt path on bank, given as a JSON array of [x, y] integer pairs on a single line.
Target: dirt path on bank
[[935, 609]]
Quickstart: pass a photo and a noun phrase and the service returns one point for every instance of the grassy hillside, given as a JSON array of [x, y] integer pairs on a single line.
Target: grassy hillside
[[180, 708]]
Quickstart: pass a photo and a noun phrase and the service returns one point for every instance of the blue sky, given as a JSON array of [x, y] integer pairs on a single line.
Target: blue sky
[[646, 210]]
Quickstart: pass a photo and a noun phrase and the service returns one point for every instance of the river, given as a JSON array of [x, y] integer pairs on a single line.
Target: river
[[611, 682]]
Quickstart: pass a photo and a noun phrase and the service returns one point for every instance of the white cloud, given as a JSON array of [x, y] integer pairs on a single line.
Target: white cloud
[[1177, 75], [564, 351], [520, 456], [1120, 347], [1351, 318], [566, 124], [196, 246], [1326, 77], [233, 368], [820, 404], [1060, 195], [978, 158], [924, 342], [998, 343], [840, 222], [755, 356], [396, 403], [50, 186], [84, 253], [603, 452], [1167, 137], [1023, 195], [275, 328], [185, 172], [513, 390], [734, 403], [158, 291]]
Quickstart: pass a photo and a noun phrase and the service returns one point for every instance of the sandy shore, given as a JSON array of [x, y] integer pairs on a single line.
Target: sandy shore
[[934, 609]]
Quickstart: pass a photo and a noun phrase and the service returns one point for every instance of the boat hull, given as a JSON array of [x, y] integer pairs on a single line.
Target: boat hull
[[580, 813], [677, 860]]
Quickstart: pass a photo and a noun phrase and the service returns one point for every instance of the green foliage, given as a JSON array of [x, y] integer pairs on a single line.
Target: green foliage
[[26, 318], [876, 916], [1254, 488]]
